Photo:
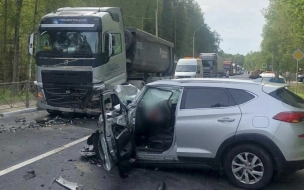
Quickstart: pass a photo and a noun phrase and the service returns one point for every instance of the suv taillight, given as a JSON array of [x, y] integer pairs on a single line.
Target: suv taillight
[[290, 117]]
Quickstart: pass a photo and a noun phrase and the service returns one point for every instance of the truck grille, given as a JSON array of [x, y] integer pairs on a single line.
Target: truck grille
[[68, 97], [67, 89]]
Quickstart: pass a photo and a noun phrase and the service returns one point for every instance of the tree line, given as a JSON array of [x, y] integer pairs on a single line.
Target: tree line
[[178, 19], [282, 34], [235, 58]]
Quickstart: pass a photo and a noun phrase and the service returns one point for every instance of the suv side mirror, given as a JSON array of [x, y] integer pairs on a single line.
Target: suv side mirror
[[31, 41]]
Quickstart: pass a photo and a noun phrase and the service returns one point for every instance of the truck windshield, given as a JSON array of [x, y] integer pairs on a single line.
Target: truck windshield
[[207, 63], [67, 43], [185, 68]]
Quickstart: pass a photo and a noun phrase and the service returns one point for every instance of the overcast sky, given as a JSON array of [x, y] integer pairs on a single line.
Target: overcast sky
[[239, 22]]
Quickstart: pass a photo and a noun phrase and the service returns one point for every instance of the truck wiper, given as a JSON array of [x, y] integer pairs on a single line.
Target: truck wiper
[[66, 62], [82, 54]]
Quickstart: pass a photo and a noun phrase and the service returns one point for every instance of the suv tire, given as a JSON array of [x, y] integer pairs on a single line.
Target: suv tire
[[240, 162]]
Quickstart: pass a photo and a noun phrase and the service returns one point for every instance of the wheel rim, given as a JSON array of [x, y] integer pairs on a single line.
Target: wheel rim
[[247, 168]]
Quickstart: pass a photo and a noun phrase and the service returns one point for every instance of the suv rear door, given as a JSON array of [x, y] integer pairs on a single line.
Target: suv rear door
[[207, 117]]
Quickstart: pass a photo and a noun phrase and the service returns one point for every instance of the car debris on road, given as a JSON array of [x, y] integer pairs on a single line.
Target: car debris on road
[[87, 151], [70, 185], [19, 124], [161, 186], [30, 174]]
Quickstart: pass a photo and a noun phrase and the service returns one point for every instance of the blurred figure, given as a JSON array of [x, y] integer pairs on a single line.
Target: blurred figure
[[276, 78], [227, 74], [287, 76], [255, 74]]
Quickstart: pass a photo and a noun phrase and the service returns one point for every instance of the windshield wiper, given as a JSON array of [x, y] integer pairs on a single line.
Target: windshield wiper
[[82, 54]]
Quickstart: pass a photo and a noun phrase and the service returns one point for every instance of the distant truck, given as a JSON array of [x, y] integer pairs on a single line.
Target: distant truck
[[82, 51], [189, 68], [228, 67], [213, 65]]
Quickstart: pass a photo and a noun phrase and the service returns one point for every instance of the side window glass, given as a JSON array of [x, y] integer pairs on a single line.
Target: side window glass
[[117, 49], [206, 98], [240, 96]]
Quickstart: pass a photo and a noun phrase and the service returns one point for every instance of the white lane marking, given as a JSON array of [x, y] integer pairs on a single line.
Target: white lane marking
[[27, 162]]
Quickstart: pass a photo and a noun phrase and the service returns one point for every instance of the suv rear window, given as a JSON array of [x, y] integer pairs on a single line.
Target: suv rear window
[[240, 96], [206, 98], [288, 97]]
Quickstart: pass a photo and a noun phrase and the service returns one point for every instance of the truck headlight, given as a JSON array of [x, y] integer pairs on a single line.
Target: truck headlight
[[40, 95]]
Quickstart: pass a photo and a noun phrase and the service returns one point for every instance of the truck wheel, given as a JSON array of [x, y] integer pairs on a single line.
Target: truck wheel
[[128, 39], [248, 167], [54, 112]]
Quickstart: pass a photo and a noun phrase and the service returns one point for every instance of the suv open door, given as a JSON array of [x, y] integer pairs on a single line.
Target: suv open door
[[116, 140]]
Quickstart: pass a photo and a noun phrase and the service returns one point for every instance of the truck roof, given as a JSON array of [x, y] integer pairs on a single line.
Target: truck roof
[[81, 11]]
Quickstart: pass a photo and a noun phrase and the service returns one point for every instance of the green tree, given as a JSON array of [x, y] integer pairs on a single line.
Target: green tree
[[177, 21]]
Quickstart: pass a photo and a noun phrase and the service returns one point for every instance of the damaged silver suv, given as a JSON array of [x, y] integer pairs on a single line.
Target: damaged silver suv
[[248, 129]]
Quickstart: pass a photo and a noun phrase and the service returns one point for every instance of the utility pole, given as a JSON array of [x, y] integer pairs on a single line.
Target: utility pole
[[272, 58], [194, 40], [142, 23], [156, 19]]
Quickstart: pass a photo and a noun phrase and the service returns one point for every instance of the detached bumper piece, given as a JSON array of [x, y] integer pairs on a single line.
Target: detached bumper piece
[[67, 184]]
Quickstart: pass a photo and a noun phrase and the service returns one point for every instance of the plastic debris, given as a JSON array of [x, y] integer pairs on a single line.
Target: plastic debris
[[161, 186], [30, 174], [87, 151], [67, 184]]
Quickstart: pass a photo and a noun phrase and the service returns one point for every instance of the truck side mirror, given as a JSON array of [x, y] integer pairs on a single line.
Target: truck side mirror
[[113, 40], [31, 41], [110, 45]]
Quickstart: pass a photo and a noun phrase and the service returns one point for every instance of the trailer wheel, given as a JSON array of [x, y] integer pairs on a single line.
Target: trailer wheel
[[128, 39]]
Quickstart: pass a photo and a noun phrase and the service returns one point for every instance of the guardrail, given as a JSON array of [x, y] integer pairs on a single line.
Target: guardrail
[[17, 95]]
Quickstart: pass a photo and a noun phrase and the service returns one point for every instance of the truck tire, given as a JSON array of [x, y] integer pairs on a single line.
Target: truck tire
[[248, 167], [128, 38]]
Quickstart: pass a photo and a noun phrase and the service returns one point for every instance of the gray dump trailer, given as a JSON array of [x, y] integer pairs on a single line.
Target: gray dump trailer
[[83, 51], [148, 55]]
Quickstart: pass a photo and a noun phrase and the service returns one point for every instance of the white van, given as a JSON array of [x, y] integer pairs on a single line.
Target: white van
[[189, 68]]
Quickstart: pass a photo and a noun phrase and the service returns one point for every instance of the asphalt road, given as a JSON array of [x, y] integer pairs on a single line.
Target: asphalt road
[[21, 139]]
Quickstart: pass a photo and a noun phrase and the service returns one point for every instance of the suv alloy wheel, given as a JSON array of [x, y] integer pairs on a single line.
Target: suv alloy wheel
[[248, 167]]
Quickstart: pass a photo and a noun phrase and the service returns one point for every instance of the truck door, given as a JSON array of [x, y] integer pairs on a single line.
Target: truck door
[[115, 69], [207, 117], [116, 137]]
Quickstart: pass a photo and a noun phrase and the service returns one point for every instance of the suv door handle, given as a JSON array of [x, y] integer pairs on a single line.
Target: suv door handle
[[225, 120]]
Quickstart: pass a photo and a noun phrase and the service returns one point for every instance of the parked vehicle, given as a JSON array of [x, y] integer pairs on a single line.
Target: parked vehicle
[[83, 51], [228, 67], [301, 78], [189, 68], [213, 65], [268, 76], [248, 129]]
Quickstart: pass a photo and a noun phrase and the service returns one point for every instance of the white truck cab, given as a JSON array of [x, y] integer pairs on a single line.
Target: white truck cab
[[189, 68]]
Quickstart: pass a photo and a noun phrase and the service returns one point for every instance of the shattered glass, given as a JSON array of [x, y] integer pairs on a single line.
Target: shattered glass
[[126, 93], [154, 96]]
